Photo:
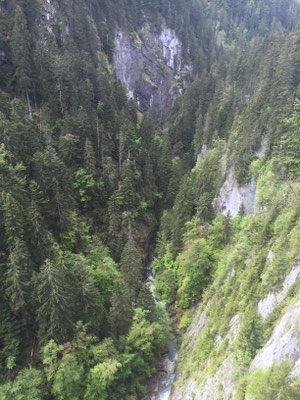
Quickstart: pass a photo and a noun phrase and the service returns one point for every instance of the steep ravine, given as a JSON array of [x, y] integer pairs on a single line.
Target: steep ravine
[[160, 386], [150, 66], [87, 183]]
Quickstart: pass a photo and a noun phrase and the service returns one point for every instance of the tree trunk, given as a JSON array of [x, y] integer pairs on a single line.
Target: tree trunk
[[61, 99], [28, 103], [98, 138], [120, 151]]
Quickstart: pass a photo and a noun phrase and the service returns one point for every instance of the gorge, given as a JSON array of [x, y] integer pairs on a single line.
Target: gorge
[[135, 131], [160, 386]]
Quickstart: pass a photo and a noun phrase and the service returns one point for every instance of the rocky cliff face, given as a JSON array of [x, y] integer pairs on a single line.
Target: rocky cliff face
[[232, 197], [209, 359], [267, 305], [284, 342], [151, 67], [282, 345]]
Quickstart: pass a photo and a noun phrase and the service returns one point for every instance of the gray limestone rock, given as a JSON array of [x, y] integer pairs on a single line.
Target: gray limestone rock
[[196, 328], [202, 153], [221, 384], [232, 196], [267, 305], [48, 12], [284, 342], [235, 325], [149, 65]]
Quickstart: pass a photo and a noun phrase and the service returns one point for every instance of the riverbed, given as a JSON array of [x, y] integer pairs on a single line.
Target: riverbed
[[161, 384]]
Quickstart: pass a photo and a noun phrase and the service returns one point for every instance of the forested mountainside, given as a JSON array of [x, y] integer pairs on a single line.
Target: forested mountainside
[[130, 124]]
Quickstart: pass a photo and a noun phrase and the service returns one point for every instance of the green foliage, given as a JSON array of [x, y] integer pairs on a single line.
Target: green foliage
[[289, 147], [253, 261], [145, 338], [249, 338], [84, 182], [167, 286], [104, 274], [185, 321], [21, 51], [67, 383], [167, 280], [54, 311], [121, 310], [273, 383], [51, 355], [220, 231], [146, 302], [29, 384], [131, 266], [10, 334], [141, 334], [79, 167], [193, 272], [241, 389], [17, 280], [100, 378]]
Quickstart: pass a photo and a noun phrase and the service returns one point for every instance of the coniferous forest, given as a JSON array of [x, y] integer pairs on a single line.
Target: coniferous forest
[[92, 190]]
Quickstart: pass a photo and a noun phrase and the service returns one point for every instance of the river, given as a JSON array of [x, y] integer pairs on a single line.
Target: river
[[162, 383]]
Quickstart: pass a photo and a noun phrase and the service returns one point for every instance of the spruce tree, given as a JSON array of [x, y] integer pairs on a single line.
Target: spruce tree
[[54, 312], [13, 218], [89, 158], [121, 310], [131, 265], [145, 301], [86, 302], [17, 278]]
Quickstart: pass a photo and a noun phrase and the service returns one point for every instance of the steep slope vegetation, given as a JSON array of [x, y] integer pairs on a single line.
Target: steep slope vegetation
[[245, 270], [85, 180]]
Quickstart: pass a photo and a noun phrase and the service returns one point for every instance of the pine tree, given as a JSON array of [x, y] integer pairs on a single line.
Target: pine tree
[[41, 239], [182, 211], [67, 147], [89, 158], [17, 278], [163, 168], [250, 336], [4, 131], [55, 180], [121, 310], [131, 266], [22, 132], [86, 302], [145, 301], [114, 210], [290, 145], [13, 216], [127, 187], [242, 210], [10, 333], [54, 311]]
